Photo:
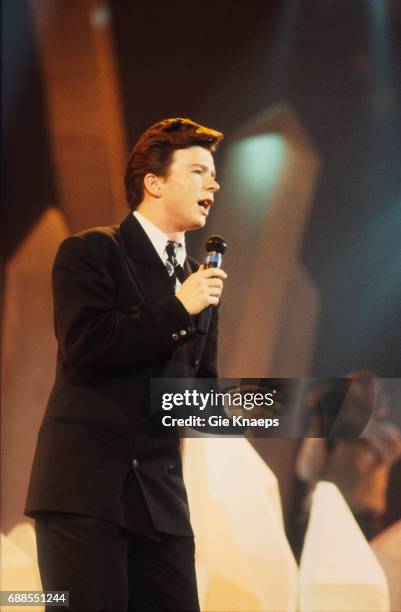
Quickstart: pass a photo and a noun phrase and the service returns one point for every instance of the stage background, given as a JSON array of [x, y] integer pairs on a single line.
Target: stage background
[[308, 96]]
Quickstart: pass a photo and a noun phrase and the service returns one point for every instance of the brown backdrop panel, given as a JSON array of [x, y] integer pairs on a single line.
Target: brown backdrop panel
[[270, 305], [84, 109], [29, 358], [267, 284]]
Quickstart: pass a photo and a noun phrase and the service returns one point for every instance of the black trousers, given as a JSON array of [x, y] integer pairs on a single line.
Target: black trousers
[[107, 568]]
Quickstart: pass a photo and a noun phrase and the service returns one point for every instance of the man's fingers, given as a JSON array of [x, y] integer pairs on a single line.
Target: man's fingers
[[202, 288], [214, 301], [213, 273], [215, 282]]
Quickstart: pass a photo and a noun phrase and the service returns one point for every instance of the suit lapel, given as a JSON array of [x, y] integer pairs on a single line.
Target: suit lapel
[[147, 268]]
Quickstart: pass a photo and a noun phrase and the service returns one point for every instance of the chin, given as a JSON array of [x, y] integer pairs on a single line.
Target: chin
[[196, 224], [202, 221], [201, 224]]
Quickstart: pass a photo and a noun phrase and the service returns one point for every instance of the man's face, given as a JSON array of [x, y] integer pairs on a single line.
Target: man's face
[[189, 188]]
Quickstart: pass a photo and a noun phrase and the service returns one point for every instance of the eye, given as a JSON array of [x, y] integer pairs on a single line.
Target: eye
[[198, 171]]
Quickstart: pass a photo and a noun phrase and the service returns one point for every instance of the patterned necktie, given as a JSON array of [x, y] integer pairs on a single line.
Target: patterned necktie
[[175, 271]]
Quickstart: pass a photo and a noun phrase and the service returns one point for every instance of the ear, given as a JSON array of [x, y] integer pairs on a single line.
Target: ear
[[153, 184]]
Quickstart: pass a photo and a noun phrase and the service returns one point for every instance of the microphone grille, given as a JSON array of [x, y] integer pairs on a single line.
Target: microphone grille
[[216, 243]]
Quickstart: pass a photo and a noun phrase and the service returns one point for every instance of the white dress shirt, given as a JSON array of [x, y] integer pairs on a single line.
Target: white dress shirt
[[159, 240]]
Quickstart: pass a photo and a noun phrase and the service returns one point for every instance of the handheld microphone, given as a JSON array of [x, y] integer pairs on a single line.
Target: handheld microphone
[[215, 249]]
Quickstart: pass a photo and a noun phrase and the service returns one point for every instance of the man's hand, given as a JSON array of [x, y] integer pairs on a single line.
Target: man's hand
[[203, 288]]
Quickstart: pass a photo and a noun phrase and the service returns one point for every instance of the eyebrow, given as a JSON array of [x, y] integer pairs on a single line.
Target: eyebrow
[[204, 168]]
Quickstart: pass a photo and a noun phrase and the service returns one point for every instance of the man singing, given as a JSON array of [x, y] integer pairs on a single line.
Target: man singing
[[112, 521]]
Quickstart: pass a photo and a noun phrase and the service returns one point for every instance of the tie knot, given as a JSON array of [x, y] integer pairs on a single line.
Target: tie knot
[[171, 250], [175, 271]]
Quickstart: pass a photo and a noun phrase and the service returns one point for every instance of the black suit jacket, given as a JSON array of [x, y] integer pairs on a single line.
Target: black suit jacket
[[118, 324]]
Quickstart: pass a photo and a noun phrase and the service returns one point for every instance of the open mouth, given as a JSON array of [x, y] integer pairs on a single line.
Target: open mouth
[[205, 204]]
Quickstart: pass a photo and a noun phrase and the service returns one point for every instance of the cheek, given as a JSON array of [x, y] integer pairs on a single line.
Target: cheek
[[177, 194]]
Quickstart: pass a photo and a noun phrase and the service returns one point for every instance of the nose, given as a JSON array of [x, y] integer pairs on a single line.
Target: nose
[[214, 186]]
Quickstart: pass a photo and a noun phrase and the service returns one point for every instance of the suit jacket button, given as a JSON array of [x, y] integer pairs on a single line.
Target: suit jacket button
[[196, 364], [135, 464], [175, 336], [183, 332], [171, 468]]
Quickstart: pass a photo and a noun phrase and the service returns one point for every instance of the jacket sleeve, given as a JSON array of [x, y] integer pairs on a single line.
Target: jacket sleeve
[[209, 367], [94, 335]]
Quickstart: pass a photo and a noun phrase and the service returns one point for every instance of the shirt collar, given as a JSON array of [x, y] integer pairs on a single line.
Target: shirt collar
[[159, 239]]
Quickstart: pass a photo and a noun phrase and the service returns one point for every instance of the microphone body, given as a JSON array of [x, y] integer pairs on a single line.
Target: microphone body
[[215, 248], [213, 259]]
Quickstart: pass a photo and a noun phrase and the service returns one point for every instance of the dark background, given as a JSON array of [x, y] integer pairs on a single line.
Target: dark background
[[337, 62]]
